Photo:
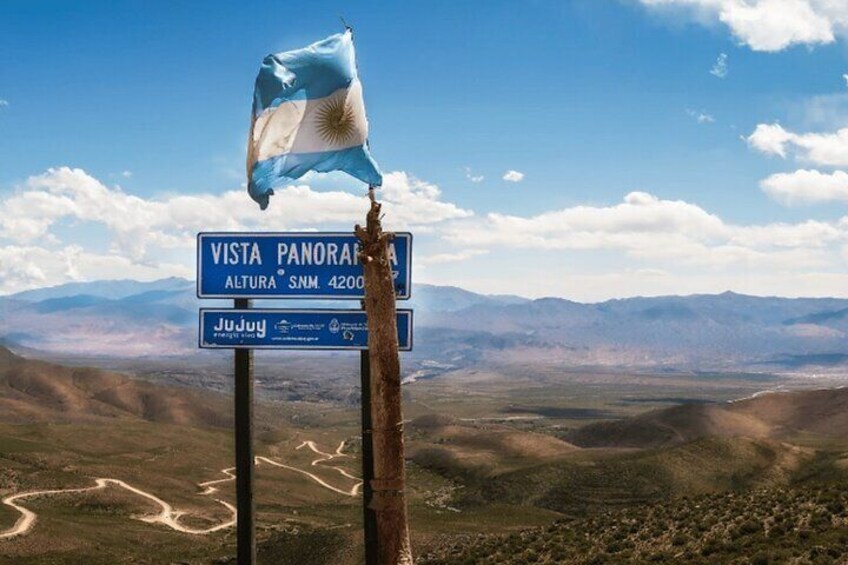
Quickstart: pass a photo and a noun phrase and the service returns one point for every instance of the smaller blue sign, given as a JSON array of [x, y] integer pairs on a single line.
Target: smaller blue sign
[[228, 328]]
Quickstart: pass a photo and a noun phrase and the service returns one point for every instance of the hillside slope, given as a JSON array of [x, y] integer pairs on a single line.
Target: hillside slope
[[452, 448], [37, 391], [778, 415], [778, 525]]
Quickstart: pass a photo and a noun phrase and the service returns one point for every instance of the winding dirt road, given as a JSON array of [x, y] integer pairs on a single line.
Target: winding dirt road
[[27, 519], [209, 489], [168, 516], [353, 491]]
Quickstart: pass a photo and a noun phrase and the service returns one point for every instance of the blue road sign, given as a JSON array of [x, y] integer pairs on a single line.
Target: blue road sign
[[222, 328], [292, 265]]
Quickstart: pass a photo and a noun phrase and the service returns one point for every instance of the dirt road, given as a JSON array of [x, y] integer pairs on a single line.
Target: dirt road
[[168, 515]]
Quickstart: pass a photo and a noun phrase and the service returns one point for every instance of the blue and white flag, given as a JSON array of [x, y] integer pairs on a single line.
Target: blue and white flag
[[308, 115]]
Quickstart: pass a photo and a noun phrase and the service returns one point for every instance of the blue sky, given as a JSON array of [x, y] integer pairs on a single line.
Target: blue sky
[[590, 101]]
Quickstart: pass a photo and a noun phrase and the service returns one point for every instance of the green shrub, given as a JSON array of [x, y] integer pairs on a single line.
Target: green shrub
[[761, 558]]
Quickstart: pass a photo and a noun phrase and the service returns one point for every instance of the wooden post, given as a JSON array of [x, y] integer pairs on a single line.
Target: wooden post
[[245, 534], [387, 501]]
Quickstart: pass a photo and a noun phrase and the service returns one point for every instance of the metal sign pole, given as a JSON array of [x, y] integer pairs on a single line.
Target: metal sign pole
[[246, 540]]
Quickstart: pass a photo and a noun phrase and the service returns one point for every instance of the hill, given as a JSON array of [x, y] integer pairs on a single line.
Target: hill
[[452, 448], [778, 415], [66, 430], [37, 391], [804, 524], [761, 480], [469, 479]]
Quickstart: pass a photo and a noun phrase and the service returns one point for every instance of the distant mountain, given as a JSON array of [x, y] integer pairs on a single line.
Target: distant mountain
[[820, 317], [103, 289], [700, 331], [159, 318], [451, 298], [456, 327]]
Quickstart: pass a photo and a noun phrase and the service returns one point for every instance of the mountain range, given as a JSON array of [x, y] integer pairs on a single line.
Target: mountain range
[[727, 331]]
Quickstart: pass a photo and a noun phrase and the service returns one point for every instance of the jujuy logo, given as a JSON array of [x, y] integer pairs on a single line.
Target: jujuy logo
[[243, 326]]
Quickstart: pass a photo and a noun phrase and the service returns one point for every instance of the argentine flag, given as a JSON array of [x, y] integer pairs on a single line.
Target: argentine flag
[[308, 115]]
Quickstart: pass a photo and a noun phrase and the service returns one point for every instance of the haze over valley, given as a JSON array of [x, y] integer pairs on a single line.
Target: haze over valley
[[456, 327]]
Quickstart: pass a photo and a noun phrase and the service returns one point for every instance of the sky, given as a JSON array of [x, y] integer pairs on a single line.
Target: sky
[[584, 149]]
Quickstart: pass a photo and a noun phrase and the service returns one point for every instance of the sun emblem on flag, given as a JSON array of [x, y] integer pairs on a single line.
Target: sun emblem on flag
[[335, 121]]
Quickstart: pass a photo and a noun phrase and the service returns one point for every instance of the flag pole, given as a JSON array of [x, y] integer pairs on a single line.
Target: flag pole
[[387, 497]]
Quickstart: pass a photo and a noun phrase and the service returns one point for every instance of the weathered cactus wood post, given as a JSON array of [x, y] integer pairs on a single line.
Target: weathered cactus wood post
[[388, 500]]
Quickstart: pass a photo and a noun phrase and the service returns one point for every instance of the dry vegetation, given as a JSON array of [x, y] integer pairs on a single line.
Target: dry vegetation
[[756, 481], [776, 525]]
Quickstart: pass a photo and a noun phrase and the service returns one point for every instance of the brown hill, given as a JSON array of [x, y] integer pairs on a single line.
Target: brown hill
[[595, 480], [37, 391], [775, 415], [455, 447], [821, 412]]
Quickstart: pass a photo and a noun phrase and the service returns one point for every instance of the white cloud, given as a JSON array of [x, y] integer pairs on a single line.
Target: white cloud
[[719, 68], [646, 245], [667, 233], [769, 25], [513, 176], [32, 266], [829, 149], [701, 117], [564, 280], [770, 139], [410, 202], [807, 186], [845, 78], [472, 177], [3, 103], [126, 174], [640, 215], [143, 230], [440, 258], [809, 234], [651, 273], [643, 244]]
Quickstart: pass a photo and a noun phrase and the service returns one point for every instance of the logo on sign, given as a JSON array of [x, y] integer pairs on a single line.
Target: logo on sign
[[224, 325], [334, 326]]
